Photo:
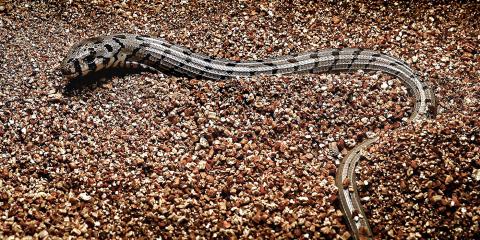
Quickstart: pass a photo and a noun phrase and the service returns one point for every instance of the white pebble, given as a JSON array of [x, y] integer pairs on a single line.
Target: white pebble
[[302, 198], [203, 142], [365, 199], [202, 164], [85, 197], [384, 85], [476, 174]]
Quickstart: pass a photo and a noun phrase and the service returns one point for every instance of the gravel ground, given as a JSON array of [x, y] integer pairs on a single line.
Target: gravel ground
[[423, 181], [152, 155]]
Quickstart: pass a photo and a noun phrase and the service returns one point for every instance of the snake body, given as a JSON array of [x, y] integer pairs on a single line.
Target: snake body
[[139, 51]]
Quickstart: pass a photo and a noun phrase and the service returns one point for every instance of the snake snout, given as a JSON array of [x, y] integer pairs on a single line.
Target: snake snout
[[68, 69], [65, 70]]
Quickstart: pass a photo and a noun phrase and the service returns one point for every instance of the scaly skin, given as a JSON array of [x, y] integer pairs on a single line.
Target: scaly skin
[[138, 51]]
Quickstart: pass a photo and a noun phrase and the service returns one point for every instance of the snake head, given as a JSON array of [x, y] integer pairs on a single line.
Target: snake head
[[85, 57]]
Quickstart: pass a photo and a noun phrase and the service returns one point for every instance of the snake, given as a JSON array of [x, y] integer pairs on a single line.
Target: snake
[[134, 51]]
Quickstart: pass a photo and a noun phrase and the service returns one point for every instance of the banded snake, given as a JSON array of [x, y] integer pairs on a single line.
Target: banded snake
[[138, 51]]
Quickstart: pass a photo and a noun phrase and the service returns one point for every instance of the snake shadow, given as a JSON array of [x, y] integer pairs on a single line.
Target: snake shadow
[[91, 81]]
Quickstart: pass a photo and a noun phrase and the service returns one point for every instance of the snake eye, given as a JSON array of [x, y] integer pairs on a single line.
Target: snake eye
[[89, 58]]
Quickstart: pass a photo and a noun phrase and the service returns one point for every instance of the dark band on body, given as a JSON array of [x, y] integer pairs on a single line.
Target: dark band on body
[[120, 36], [167, 45], [140, 37], [292, 60], [355, 57], [115, 55], [108, 47], [335, 54], [371, 60], [144, 45], [145, 58], [131, 55]]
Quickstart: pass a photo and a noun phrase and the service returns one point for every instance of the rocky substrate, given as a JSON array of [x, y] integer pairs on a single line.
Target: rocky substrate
[[151, 155], [422, 181]]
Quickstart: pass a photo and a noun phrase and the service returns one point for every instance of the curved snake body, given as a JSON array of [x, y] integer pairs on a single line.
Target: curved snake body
[[133, 51], [138, 51]]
